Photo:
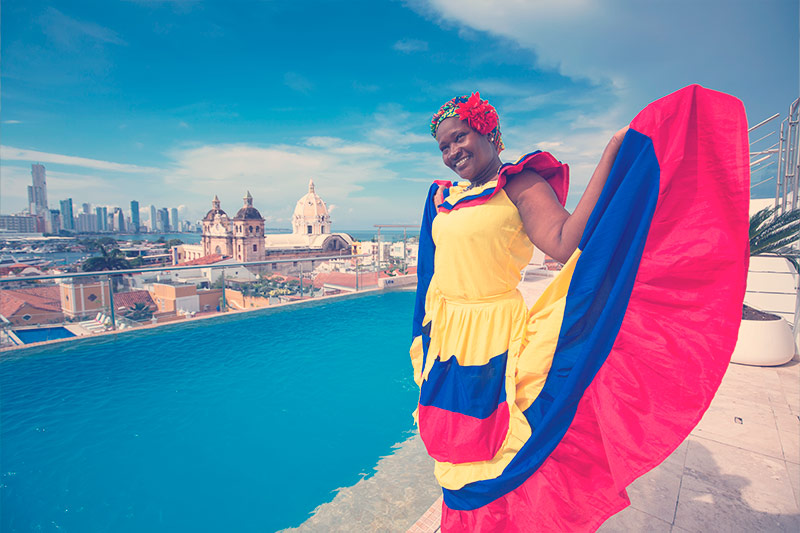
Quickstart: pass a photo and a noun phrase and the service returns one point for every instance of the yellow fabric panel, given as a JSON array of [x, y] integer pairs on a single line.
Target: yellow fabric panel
[[416, 359], [543, 328]]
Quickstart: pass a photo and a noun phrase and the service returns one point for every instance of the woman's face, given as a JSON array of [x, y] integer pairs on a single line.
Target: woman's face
[[468, 153]]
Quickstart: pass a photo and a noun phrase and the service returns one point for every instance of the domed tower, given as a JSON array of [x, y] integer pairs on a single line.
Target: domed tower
[[217, 231], [310, 214], [248, 233]]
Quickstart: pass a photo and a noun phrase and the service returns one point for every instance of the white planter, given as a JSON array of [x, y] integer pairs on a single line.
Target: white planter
[[764, 343]]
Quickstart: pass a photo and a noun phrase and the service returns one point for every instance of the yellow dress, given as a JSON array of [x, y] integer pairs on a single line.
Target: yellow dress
[[475, 313]]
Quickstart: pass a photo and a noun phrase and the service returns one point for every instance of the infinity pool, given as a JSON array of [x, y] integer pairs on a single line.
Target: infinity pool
[[244, 423]]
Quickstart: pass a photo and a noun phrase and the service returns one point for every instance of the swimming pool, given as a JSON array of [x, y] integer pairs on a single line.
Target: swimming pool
[[244, 423], [28, 336]]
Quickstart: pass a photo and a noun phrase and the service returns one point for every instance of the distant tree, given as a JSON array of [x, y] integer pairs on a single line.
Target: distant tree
[[173, 242], [113, 260], [139, 312]]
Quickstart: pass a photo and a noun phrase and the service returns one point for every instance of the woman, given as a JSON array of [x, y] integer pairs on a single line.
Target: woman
[[539, 418]]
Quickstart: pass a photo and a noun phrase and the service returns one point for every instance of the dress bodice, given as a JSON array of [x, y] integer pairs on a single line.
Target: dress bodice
[[480, 250]]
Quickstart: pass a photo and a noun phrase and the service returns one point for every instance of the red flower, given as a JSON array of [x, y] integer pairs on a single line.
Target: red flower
[[479, 114]]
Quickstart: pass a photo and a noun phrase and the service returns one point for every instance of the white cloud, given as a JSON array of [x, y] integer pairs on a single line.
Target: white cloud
[[12, 122], [410, 45], [66, 30], [644, 50], [297, 82], [10, 153]]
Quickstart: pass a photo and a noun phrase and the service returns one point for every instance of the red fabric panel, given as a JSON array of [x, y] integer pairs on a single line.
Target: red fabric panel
[[457, 438]]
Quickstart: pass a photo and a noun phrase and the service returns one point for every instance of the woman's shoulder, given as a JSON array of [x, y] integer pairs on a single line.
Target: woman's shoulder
[[525, 180]]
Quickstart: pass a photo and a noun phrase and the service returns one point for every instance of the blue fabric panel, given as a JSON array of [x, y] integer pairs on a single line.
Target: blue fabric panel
[[469, 390], [424, 261], [597, 299], [487, 192]]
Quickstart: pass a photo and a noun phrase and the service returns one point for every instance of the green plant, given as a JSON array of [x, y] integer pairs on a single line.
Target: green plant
[[770, 233], [138, 312]]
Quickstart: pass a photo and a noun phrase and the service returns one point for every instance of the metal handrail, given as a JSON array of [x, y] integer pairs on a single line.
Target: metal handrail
[[109, 274], [170, 268]]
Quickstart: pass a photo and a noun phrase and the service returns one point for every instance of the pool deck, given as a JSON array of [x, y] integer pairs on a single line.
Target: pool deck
[[739, 470]]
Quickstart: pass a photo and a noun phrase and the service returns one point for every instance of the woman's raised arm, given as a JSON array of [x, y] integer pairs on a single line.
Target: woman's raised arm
[[549, 226]]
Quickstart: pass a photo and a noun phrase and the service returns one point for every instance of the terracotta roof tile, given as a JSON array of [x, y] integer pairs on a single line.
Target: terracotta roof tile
[[205, 260], [43, 298], [129, 299]]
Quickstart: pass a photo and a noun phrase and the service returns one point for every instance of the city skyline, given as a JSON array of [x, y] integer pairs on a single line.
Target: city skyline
[[106, 218], [179, 101]]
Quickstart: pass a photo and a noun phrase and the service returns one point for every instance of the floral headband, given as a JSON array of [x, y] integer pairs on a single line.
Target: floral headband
[[479, 114]]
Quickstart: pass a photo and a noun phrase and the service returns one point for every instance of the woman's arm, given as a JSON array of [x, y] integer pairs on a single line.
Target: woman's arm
[[549, 226]]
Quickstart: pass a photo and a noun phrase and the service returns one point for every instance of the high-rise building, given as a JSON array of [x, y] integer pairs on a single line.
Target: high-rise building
[[37, 198], [18, 223], [67, 217], [102, 218], [173, 219], [153, 219], [135, 216], [163, 219], [37, 193], [87, 209], [54, 220], [87, 223], [119, 220]]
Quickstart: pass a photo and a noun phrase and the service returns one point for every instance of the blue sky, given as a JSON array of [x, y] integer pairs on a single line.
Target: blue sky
[[172, 102]]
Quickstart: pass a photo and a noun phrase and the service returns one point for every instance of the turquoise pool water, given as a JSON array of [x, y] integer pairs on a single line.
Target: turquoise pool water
[[28, 336], [244, 423]]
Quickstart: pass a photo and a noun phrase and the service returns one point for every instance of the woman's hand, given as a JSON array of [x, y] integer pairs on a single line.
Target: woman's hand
[[438, 197]]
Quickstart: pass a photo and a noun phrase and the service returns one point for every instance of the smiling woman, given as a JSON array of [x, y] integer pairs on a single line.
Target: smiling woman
[[537, 419]]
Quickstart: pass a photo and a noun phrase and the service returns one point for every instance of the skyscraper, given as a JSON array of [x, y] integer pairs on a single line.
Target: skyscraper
[[135, 216], [102, 218], [67, 217], [37, 198], [119, 220], [163, 219], [37, 193], [153, 219], [173, 219]]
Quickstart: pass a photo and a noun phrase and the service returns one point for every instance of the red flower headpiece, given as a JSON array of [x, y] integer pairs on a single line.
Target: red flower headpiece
[[479, 114]]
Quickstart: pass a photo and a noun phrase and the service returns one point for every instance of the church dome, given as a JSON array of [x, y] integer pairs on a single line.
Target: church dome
[[248, 212], [215, 210], [311, 214], [310, 205]]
